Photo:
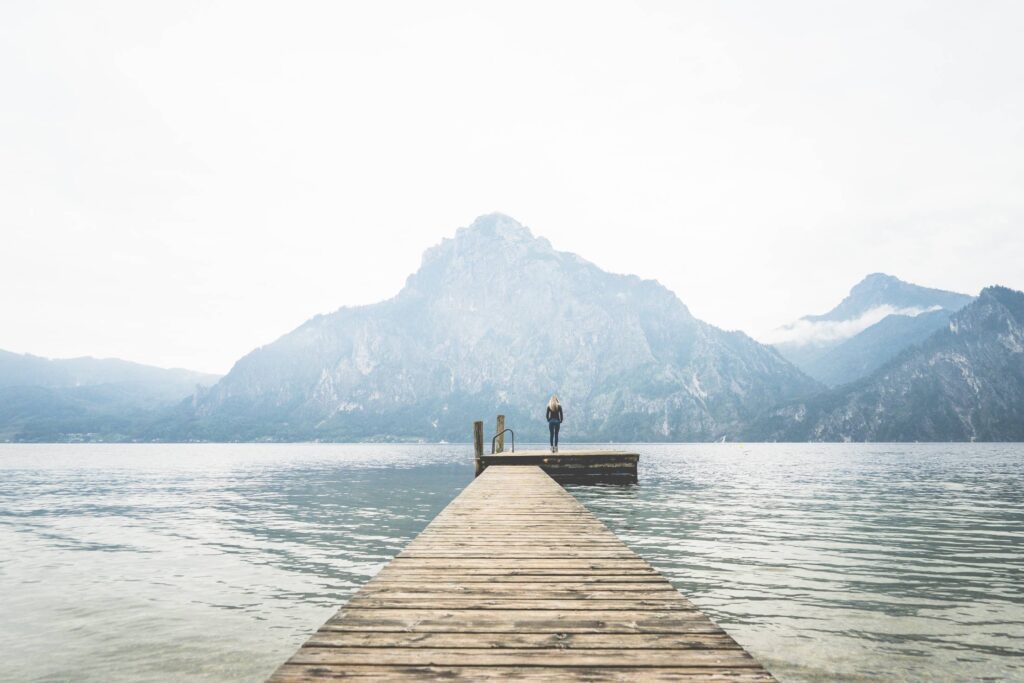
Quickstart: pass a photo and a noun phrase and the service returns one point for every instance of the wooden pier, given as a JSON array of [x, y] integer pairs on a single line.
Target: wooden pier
[[573, 466], [515, 579], [578, 466]]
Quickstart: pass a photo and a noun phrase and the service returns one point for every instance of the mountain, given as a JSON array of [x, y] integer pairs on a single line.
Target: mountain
[[160, 384], [964, 383], [56, 400], [495, 321], [880, 317], [879, 290]]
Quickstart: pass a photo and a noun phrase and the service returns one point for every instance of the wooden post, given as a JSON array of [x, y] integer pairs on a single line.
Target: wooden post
[[478, 445], [500, 448]]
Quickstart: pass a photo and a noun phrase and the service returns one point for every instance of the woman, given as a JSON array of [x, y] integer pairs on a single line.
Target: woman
[[554, 416]]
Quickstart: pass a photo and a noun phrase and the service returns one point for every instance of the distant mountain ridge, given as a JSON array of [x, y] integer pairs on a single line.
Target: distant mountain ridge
[[964, 383], [24, 369], [57, 399], [880, 289], [881, 316], [496, 320]]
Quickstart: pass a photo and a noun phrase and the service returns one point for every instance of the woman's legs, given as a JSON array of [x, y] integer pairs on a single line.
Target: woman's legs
[[552, 431], [557, 427]]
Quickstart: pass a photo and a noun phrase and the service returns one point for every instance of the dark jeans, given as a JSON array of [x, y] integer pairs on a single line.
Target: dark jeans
[[553, 426]]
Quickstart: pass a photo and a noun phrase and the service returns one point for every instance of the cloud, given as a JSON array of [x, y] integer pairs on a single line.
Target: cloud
[[806, 332]]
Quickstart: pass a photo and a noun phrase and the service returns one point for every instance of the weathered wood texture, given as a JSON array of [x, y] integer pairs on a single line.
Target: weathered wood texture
[[478, 446], [516, 580], [499, 444], [573, 466]]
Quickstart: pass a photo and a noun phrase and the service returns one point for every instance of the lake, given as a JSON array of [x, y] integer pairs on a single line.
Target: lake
[[215, 561]]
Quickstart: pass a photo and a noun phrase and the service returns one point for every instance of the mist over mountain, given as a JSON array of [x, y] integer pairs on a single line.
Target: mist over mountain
[[881, 316], [496, 320], [964, 383], [880, 290], [58, 399]]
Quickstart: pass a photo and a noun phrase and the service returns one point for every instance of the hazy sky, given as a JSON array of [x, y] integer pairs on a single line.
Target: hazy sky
[[182, 182]]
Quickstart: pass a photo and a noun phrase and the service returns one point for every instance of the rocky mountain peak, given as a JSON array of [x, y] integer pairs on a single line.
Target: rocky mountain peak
[[964, 382], [880, 289], [495, 320], [495, 226], [999, 310], [881, 316], [490, 234], [876, 282], [1011, 300], [493, 243]]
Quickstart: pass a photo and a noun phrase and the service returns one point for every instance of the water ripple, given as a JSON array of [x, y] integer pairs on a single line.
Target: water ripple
[[849, 562], [213, 562]]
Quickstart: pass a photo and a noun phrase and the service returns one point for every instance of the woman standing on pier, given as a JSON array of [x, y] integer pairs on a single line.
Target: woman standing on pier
[[554, 416]]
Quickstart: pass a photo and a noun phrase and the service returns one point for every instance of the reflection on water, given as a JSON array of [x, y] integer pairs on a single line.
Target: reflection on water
[[205, 562], [213, 562], [856, 562]]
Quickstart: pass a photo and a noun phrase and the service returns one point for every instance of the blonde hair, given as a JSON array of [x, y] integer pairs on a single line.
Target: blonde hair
[[553, 403]]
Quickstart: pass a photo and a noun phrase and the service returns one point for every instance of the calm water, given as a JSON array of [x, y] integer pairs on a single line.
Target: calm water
[[213, 562]]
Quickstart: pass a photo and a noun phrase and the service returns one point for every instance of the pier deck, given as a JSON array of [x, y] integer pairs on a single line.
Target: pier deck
[[515, 579], [573, 466]]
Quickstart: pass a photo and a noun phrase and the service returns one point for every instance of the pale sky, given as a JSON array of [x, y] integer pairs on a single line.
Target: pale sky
[[182, 182]]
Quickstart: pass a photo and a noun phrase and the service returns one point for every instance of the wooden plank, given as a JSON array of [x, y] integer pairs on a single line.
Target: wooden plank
[[517, 621], [519, 595], [519, 563], [497, 570], [509, 656], [591, 641], [301, 673], [533, 589], [527, 541], [522, 577], [491, 530], [496, 574], [631, 604], [516, 580], [513, 554]]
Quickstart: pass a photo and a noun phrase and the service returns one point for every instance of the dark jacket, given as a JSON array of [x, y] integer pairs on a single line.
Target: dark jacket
[[554, 414]]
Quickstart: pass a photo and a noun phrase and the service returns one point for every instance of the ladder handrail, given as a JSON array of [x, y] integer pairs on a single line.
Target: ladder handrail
[[494, 441]]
